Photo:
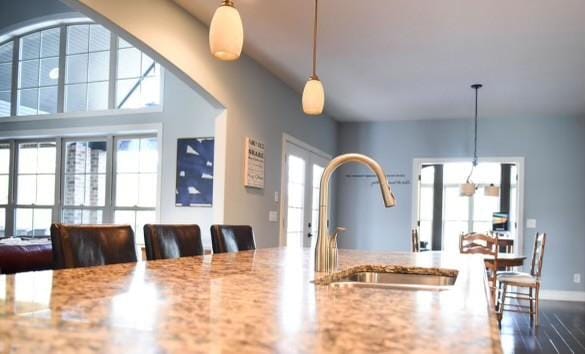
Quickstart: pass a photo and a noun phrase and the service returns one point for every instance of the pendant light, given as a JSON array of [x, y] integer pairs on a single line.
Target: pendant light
[[313, 93], [468, 188], [492, 191], [226, 32]]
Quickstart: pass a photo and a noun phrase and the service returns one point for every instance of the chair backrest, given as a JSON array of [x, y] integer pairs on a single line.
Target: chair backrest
[[538, 254], [415, 241], [172, 241], [479, 243], [232, 238], [91, 245]]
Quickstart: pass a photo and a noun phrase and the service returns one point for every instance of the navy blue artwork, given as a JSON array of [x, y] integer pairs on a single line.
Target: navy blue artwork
[[194, 172]]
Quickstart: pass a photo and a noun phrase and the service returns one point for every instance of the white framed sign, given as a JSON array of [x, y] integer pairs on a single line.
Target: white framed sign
[[254, 163]]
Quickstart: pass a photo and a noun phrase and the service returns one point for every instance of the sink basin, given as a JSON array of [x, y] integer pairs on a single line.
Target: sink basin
[[396, 280]]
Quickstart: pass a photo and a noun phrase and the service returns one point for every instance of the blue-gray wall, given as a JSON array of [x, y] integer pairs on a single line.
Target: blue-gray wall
[[554, 182]]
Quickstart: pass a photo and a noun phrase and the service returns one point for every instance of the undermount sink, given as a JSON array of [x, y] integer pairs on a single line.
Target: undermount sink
[[396, 280]]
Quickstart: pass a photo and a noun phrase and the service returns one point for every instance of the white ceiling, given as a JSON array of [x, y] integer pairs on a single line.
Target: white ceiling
[[403, 59]]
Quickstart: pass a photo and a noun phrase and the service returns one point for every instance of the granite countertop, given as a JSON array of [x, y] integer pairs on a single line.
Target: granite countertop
[[254, 301]]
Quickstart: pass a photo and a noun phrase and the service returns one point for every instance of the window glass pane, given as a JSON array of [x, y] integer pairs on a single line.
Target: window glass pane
[[6, 52], [150, 91], [74, 189], [456, 172], [97, 155], [75, 97], [97, 96], [45, 190], [28, 101], [127, 155], [3, 189], [99, 66], [27, 189], [76, 68], [456, 207], [23, 222], [77, 39], [82, 216], [33, 222], [48, 100], [4, 158], [47, 155], [95, 190], [28, 74], [50, 42], [128, 63], [148, 155], [99, 38], [2, 222], [123, 44], [27, 157], [147, 190], [127, 189], [426, 203], [5, 76], [128, 94], [49, 71], [5, 105], [42, 222], [427, 174], [451, 232], [30, 46]]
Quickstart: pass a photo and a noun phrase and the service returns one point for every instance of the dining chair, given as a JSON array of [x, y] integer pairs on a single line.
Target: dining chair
[[172, 241], [232, 238], [475, 243], [77, 246], [529, 281], [415, 244]]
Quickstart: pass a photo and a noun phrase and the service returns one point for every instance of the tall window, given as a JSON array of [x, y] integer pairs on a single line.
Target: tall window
[[4, 184], [35, 194], [74, 68], [87, 68], [38, 72], [136, 182], [84, 181], [461, 214], [89, 180], [6, 58]]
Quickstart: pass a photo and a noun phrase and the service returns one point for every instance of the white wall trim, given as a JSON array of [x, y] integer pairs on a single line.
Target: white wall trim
[[83, 131], [562, 295], [518, 160]]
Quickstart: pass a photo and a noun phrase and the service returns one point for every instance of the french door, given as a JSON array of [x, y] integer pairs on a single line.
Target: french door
[[302, 177]]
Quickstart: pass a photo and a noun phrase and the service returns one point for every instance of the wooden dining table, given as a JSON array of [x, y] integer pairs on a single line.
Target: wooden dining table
[[507, 260]]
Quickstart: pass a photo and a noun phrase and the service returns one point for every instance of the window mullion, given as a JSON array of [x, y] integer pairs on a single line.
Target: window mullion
[[9, 226], [110, 187], [113, 71], [14, 87], [61, 81]]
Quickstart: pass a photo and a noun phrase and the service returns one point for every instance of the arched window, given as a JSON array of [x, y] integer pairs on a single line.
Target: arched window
[[74, 67]]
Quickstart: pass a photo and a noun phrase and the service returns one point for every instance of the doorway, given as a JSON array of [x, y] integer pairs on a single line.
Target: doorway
[[442, 213], [302, 167]]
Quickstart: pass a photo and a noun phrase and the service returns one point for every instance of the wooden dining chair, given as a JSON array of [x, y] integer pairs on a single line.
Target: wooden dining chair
[[519, 280], [415, 240], [475, 243]]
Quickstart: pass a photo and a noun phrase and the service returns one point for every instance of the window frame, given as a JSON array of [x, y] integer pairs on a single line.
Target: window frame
[[59, 206], [61, 112]]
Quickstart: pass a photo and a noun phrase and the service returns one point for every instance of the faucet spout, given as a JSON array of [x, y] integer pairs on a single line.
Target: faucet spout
[[326, 247]]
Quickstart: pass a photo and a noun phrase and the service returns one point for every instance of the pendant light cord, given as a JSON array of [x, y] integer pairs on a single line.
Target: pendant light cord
[[476, 87], [314, 75]]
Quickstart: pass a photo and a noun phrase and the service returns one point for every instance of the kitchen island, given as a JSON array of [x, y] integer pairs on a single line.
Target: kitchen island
[[255, 301]]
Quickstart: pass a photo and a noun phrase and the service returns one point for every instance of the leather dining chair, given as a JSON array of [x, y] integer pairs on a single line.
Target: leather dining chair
[[172, 241], [91, 245], [232, 238]]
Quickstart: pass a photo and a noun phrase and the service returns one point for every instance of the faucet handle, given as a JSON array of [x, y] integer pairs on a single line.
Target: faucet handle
[[338, 231]]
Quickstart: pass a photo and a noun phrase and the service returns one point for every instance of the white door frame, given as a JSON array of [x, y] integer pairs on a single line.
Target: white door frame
[[287, 138], [517, 160]]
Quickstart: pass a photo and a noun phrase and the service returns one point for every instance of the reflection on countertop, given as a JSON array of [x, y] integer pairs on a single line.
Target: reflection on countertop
[[253, 301]]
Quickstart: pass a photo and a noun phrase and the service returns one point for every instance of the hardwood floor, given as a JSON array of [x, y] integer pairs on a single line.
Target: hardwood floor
[[561, 330]]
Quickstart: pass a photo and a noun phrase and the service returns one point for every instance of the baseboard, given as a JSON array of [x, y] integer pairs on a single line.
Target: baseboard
[[562, 295]]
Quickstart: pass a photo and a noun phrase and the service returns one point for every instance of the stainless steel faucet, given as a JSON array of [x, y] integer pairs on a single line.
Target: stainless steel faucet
[[326, 247]]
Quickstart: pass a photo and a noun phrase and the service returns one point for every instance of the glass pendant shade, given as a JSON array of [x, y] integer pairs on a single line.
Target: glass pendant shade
[[226, 33], [467, 189], [313, 97], [492, 191]]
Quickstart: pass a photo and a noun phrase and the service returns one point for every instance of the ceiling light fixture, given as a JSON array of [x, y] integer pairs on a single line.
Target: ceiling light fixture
[[226, 32], [313, 93], [468, 188]]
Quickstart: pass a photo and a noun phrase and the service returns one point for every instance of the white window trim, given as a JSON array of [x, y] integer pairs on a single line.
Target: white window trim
[[517, 160]]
